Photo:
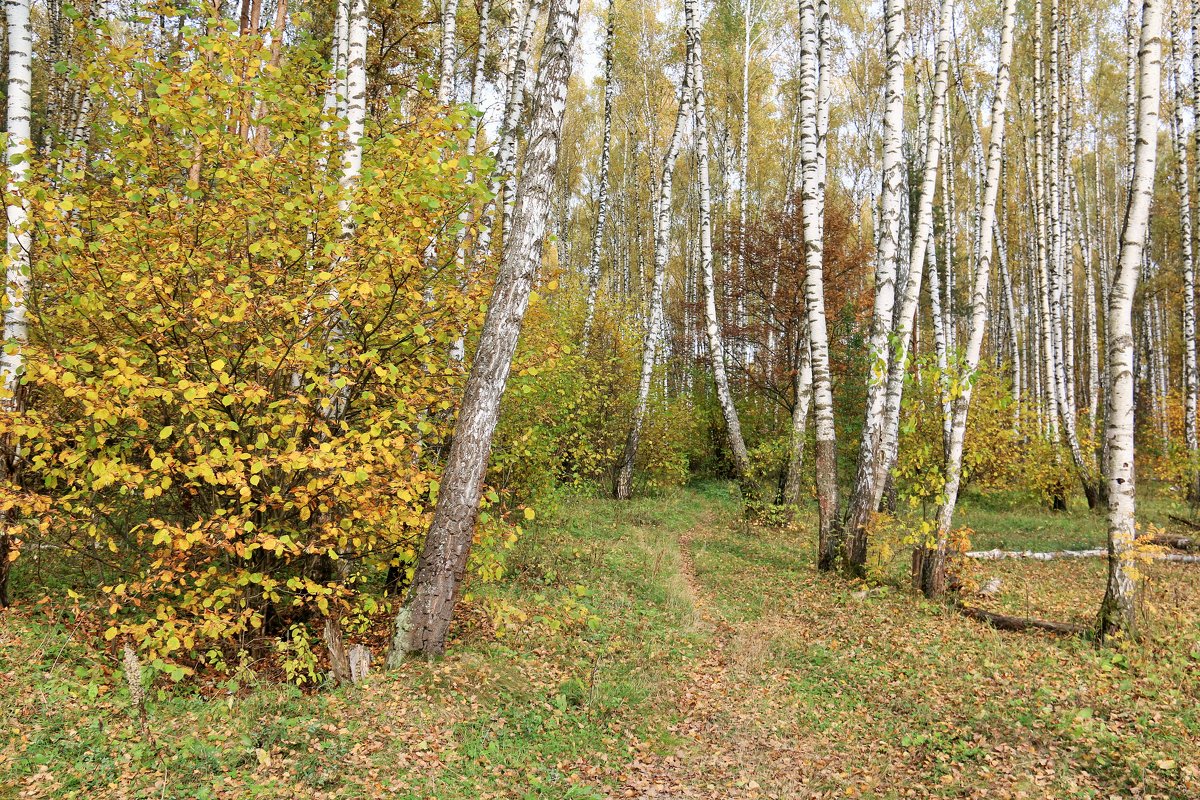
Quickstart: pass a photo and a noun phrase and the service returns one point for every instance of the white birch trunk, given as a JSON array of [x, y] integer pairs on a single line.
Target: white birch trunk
[[885, 457], [17, 243], [593, 270], [423, 621], [935, 584], [662, 250], [812, 198], [1118, 611], [716, 348], [449, 51], [1183, 185], [864, 499]]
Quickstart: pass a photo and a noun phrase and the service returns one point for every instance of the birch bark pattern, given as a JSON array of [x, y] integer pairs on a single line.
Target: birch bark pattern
[[593, 271], [662, 251], [17, 244], [1183, 185], [864, 499], [812, 201], [1118, 611], [933, 582], [716, 348], [449, 51], [885, 457], [422, 623]]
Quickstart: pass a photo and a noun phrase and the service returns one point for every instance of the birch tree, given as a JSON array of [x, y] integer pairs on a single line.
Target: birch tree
[[864, 499], [449, 51], [17, 243], [812, 203], [1118, 611], [662, 251], [1191, 385], [716, 348], [423, 621], [932, 581], [884, 458], [593, 269]]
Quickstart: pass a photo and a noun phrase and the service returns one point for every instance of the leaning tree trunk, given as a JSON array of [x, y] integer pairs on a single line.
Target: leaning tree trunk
[[864, 500], [933, 576], [593, 270], [716, 348], [1118, 610], [662, 251], [423, 621], [18, 241]]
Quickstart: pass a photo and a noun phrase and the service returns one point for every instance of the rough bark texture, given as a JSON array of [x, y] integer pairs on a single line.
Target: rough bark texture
[[1118, 610], [884, 459], [422, 623], [449, 51], [1191, 386], [1004, 622]]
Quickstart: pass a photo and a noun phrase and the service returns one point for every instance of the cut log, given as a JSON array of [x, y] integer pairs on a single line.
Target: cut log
[[1006, 623]]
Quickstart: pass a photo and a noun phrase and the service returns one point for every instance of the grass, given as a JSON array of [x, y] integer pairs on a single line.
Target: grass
[[627, 668]]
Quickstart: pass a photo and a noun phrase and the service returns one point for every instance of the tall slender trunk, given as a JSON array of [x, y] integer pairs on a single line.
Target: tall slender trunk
[[505, 179], [662, 251], [864, 500], [1118, 611], [593, 270], [716, 348], [1191, 390], [933, 579], [812, 199], [17, 244], [885, 457], [423, 621]]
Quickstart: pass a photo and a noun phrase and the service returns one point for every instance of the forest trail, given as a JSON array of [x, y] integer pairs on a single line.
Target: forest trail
[[726, 749]]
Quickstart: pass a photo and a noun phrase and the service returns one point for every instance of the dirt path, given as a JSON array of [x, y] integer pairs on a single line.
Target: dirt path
[[726, 750]]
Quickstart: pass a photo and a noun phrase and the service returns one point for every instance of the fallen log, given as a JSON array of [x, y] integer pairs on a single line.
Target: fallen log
[[1190, 523], [1000, 555], [1172, 541], [1004, 622]]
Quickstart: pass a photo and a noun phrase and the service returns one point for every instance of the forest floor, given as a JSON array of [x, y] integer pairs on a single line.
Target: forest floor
[[662, 649]]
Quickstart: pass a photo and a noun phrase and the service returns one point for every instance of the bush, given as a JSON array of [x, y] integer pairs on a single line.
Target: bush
[[231, 404]]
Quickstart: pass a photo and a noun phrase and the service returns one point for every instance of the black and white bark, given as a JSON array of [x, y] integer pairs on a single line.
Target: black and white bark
[[933, 583], [864, 499], [716, 347], [1118, 611], [18, 241], [662, 251], [593, 269]]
